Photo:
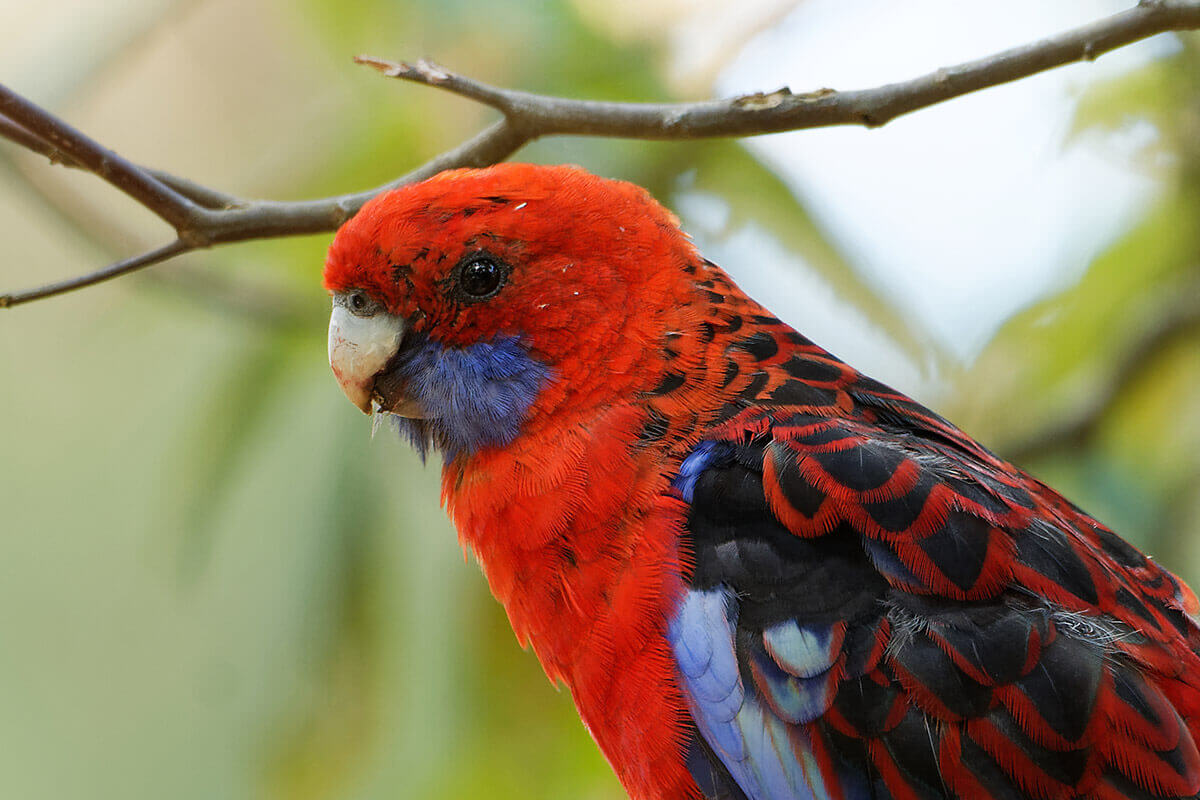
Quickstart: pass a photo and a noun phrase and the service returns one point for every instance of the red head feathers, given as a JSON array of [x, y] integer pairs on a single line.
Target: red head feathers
[[582, 275], [569, 246]]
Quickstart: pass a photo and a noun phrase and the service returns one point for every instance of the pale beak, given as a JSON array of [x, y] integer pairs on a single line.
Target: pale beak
[[359, 347]]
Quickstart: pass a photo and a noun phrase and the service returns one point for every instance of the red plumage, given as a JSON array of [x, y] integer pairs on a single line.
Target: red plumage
[[975, 634]]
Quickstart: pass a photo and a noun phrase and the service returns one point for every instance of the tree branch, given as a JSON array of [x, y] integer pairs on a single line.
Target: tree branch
[[111, 271], [209, 198], [203, 217], [781, 110], [126, 176]]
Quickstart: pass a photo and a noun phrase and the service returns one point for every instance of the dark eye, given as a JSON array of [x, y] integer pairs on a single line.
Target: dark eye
[[359, 303], [480, 278]]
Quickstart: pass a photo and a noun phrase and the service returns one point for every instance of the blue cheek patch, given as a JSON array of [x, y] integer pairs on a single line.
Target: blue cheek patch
[[474, 397]]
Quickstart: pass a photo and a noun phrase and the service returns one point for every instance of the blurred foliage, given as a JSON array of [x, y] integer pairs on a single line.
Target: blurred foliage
[[216, 586]]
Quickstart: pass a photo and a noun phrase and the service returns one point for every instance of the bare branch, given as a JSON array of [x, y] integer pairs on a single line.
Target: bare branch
[[111, 271], [203, 217], [131, 179], [15, 133], [209, 198], [266, 219], [202, 195], [781, 110], [426, 72]]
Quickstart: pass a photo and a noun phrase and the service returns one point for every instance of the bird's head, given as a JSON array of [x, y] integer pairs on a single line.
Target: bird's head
[[473, 300]]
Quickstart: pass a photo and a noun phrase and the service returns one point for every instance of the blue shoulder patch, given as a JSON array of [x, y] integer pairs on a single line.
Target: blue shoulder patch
[[703, 455]]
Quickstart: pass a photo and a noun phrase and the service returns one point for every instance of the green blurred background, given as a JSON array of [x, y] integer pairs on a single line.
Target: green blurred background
[[213, 584]]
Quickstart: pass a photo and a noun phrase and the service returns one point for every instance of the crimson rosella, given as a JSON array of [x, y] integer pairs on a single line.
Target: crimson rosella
[[761, 574]]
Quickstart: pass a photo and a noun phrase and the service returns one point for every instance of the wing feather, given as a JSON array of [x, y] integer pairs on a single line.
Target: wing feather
[[878, 613]]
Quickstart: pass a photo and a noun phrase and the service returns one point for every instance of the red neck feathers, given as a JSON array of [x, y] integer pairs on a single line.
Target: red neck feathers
[[579, 536]]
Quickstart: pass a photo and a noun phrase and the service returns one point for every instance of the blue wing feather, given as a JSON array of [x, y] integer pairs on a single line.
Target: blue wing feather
[[804, 652], [768, 757], [752, 701]]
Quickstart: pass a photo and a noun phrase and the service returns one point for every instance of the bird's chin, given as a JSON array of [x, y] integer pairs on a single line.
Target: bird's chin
[[391, 394], [401, 407]]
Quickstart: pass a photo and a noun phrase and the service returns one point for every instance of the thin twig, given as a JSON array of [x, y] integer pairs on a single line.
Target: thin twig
[[111, 271], [777, 111], [15, 133], [209, 198], [201, 195], [126, 176], [203, 217]]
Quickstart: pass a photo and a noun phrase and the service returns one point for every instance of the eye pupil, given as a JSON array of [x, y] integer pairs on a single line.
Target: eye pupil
[[480, 278], [357, 302]]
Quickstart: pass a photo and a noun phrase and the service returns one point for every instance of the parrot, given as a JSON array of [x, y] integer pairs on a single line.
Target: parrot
[[761, 574]]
